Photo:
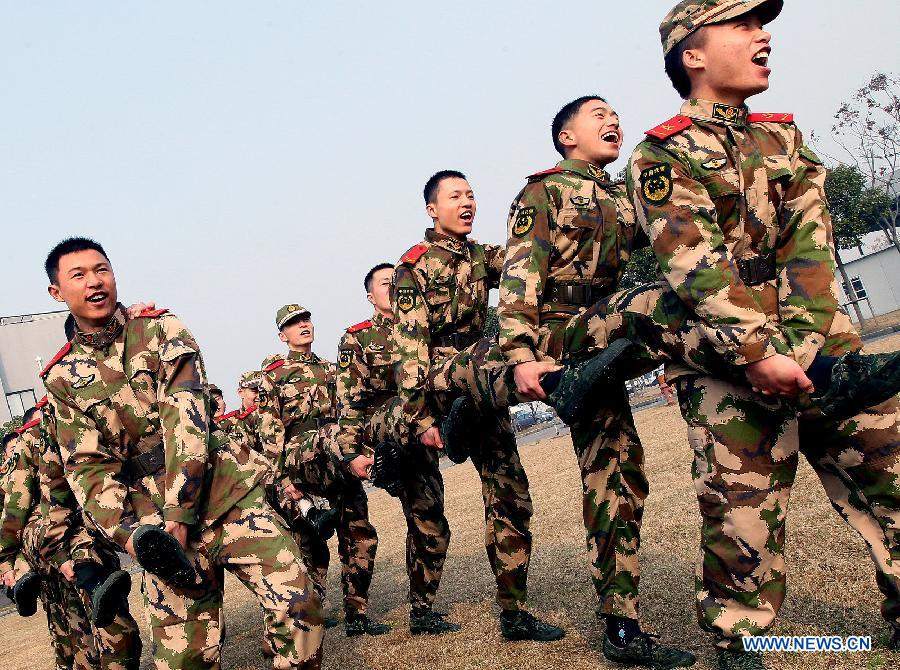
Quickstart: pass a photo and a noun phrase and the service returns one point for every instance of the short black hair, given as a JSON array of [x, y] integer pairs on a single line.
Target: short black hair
[[367, 282], [564, 115], [29, 414], [674, 62], [434, 181], [68, 246]]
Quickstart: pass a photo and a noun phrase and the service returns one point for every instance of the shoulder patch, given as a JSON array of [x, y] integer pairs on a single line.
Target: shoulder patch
[[668, 128], [274, 365], [28, 426], [770, 117], [152, 313], [67, 347], [544, 173], [362, 325], [414, 254]]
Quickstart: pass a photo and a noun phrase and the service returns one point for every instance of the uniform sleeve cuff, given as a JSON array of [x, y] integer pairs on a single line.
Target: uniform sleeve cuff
[[180, 515], [520, 355], [424, 424]]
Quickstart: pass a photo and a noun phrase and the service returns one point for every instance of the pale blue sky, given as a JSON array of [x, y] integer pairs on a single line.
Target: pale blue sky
[[232, 157]]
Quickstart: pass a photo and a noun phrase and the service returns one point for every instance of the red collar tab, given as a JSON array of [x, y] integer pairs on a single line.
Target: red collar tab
[[274, 365], [770, 117], [414, 254], [152, 313], [544, 173], [362, 325], [247, 412], [41, 403], [28, 426], [668, 128], [225, 416], [67, 347]]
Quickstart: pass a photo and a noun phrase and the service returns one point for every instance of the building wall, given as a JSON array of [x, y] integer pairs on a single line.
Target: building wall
[[27, 343], [880, 276]]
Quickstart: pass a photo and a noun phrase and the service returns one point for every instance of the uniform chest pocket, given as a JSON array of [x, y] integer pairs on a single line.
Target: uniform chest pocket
[[91, 395], [571, 218], [380, 368], [778, 174], [724, 188], [440, 291]]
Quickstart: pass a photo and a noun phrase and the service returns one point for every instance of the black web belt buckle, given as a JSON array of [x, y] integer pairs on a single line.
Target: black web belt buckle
[[758, 270], [148, 463], [578, 295]]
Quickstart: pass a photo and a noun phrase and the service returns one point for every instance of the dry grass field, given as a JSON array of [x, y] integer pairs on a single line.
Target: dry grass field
[[831, 583]]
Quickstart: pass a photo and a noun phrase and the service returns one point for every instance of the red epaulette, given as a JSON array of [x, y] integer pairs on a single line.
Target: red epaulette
[[221, 417], [247, 412], [668, 128], [152, 313], [42, 402], [274, 365], [544, 173], [770, 117], [414, 254], [28, 426], [362, 325], [67, 347]]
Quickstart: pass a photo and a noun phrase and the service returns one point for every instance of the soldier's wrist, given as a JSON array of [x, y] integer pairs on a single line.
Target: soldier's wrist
[[180, 515], [520, 355]]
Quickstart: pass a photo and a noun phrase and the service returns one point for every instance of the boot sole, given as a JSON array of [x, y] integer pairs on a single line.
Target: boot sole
[[160, 554], [109, 596], [25, 594], [892, 371], [462, 413], [594, 373]]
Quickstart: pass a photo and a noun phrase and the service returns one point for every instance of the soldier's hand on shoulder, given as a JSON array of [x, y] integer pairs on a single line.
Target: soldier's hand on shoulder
[[361, 466]]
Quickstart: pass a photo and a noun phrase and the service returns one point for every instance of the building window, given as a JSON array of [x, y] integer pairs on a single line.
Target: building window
[[857, 287], [20, 401]]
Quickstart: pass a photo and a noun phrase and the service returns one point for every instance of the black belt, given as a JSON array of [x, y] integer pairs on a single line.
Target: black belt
[[757, 270], [148, 463], [577, 294], [458, 341], [312, 424]]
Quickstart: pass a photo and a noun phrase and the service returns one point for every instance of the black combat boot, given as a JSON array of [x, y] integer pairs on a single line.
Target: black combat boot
[[322, 522], [458, 427], [522, 625], [894, 642], [107, 589], [571, 390], [848, 384], [428, 622], [389, 467], [25, 593], [360, 624], [159, 553], [739, 660], [626, 643]]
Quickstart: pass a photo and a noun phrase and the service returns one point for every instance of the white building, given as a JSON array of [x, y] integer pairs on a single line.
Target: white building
[[875, 275], [27, 343]]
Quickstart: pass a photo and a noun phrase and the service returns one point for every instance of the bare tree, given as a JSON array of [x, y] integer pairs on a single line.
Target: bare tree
[[867, 129]]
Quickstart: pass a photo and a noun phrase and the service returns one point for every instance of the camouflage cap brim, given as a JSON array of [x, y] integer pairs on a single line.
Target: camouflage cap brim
[[292, 317], [681, 22]]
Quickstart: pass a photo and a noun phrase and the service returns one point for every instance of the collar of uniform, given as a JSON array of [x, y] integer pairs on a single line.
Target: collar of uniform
[[446, 242], [381, 320], [106, 335], [714, 112], [584, 168], [302, 356]]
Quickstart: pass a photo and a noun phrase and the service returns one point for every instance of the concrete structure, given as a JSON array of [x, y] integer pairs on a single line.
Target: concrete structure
[[27, 343], [875, 274]]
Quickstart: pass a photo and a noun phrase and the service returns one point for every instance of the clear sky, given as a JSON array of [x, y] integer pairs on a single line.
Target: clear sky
[[235, 156]]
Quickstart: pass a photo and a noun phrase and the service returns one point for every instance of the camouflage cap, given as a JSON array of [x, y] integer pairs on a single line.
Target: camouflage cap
[[289, 312], [250, 380], [688, 15]]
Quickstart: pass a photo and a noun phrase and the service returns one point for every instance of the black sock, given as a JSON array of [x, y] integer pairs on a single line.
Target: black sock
[[621, 630], [819, 372]]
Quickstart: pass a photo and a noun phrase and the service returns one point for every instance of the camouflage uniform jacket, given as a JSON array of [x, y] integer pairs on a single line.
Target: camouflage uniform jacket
[[716, 188], [246, 429], [226, 421], [296, 393], [20, 483], [364, 380], [440, 290], [125, 390], [569, 225]]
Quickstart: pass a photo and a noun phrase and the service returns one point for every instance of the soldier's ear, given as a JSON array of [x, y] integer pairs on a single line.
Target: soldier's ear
[[282, 336], [567, 138], [431, 211], [693, 59], [370, 299], [53, 290]]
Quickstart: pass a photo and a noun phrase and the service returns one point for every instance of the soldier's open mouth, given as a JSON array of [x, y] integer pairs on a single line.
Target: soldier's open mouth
[[97, 297], [610, 136], [762, 57], [466, 216]]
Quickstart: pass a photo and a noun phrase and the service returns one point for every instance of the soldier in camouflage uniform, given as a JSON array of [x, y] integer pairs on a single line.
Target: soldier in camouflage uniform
[[298, 427], [246, 420], [571, 231], [132, 423], [40, 519], [223, 420], [440, 299], [365, 382], [735, 209]]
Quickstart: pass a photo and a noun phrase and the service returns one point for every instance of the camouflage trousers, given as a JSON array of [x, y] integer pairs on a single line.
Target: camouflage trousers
[[76, 643], [320, 471], [745, 460], [252, 543], [504, 484]]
